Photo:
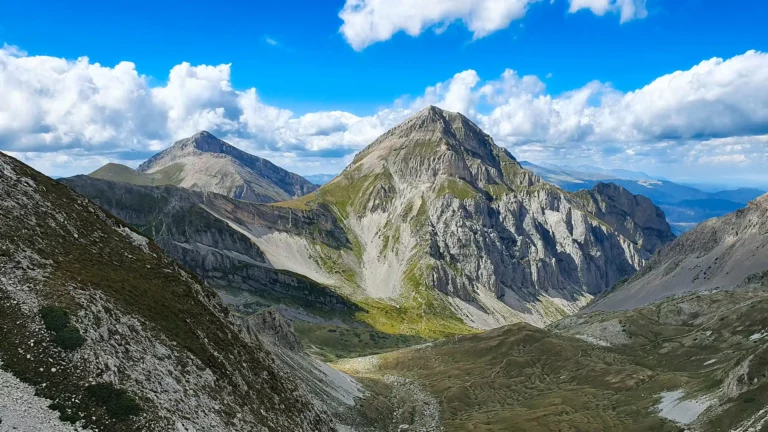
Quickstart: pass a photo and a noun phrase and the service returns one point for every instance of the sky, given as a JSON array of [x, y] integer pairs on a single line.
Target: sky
[[675, 88]]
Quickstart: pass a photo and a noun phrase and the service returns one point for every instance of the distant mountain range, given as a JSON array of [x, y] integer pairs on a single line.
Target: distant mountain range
[[684, 206], [320, 179]]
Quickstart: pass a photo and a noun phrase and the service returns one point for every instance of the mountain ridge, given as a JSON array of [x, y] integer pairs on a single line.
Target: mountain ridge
[[438, 163]]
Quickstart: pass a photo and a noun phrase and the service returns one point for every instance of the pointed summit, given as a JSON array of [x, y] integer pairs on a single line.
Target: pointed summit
[[204, 162], [438, 143], [203, 141]]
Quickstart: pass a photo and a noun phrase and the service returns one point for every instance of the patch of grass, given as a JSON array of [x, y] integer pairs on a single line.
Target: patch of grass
[[69, 338], [117, 403], [332, 342], [420, 311], [457, 188]]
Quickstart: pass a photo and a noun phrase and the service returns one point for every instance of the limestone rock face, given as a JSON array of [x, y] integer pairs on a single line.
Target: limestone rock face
[[432, 220]]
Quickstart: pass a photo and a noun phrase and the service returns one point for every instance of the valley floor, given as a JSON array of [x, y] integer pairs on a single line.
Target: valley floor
[[695, 363]]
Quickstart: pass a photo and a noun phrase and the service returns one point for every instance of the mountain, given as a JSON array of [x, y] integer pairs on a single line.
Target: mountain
[[684, 206], [696, 361], [590, 171], [720, 253], [741, 195], [97, 323], [205, 163], [439, 218], [320, 179]]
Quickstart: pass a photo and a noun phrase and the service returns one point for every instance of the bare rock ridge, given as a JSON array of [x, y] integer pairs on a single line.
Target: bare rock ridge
[[98, 322], [205, 163], [721, 253]]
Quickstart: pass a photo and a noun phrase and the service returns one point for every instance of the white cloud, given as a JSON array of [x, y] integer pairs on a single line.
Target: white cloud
[[369, 21], [67, 117], [714, 99], [366, 22], [97, 113], [627, 9]]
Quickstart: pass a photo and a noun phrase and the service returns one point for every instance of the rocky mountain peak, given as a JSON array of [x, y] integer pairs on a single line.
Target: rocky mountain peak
[[434, 144], [202, 141], [444, 130], [205, 142], [205, 162]]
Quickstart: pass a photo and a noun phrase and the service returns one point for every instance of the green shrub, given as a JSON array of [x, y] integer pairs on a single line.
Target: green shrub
[[118, 404], [69, 338], [54, 318], [66, 335]]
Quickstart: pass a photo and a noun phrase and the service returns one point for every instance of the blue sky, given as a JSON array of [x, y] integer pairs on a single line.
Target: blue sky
[[299, 63]]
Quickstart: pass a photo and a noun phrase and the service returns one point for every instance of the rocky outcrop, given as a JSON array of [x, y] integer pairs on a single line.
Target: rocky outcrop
[[633, 216], [205, 163], [270, 325]]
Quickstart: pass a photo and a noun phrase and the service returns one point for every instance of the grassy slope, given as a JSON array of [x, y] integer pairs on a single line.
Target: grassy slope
[[520, 378], [169, 175]]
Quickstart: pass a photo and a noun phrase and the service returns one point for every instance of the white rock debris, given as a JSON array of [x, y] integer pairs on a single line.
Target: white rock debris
[[673, 407], [22, 411]]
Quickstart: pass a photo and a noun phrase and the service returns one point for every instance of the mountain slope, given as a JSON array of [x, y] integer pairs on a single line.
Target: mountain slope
[[441, 219], [210, 235], [205, 163], [718, 254], [114, 334]]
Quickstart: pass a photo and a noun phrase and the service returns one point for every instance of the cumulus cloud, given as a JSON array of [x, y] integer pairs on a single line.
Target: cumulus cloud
[[366, 22], [627, 9], [71, 116], [716, 98], [369, 21], [98, 113]]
